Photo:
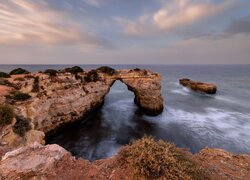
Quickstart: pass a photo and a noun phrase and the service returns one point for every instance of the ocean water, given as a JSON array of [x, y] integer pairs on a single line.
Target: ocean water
[[190, 120]]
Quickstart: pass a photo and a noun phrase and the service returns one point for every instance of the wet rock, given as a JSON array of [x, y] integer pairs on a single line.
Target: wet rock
[[207, 88]]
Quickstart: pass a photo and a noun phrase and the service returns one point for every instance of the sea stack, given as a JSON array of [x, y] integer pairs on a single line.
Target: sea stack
[[207, 88]]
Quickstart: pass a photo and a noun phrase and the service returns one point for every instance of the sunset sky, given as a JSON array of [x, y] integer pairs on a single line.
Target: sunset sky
[[124, 31]]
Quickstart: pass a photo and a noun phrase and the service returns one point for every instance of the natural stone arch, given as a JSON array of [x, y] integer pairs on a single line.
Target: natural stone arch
[[146, 87]]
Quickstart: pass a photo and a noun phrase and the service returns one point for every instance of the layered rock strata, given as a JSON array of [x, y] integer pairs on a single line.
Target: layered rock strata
[[207, 88], [66, 98]]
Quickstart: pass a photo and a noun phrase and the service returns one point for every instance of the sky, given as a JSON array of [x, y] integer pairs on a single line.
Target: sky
[[124, 32]]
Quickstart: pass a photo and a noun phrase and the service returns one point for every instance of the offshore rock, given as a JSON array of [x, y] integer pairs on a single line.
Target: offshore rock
[[207, 88]]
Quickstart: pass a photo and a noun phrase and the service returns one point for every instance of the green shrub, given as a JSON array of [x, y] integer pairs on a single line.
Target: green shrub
[[19, 71], [6, 115], [92, 76], [137, 69], [5, 82], [4, 75], [74, 70], [155, 159], [21, 126], [35, 87], [107, 70], [19, 96], [51, 72]]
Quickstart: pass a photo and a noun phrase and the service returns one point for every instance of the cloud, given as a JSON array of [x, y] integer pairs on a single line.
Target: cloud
[[27, 21], [239, 26], [175, 14], [95, 3]]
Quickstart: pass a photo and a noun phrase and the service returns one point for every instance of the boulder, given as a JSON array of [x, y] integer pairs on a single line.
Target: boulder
[[207, 88], [40, 162]]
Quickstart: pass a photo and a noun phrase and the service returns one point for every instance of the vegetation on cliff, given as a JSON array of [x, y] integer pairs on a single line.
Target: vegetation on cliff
[[21, 126], [158, 159], [35, 87], [19, 96], [19, 71], [107, 70], [91, 76], [74, 70], [51, 72], [6, 115], [4, 75], [5, 82]]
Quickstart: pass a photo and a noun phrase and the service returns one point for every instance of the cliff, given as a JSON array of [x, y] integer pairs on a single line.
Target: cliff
[[55, 99], [54, 162]]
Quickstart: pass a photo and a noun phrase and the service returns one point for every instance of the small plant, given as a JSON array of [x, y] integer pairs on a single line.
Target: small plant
[[137, 69], [6, 115], [5, 82], [92, 76], [20, 79], [74, 70], [19, 96], [4, 75], [35, 87], [21, 126], [51, 72], [107, 70], [155, 159], [19, 71]]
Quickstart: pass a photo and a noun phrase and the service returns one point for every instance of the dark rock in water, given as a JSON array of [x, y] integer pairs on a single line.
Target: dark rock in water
[[207, 88]]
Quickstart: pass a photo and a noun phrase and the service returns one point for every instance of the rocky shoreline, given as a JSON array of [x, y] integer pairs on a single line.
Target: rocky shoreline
[[34, 105]]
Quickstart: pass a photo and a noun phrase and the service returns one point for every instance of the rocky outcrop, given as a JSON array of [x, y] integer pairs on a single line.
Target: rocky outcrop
[[207, 88], [53, 162], [221, 164], [147, 89], [63, 98], [41, 162]]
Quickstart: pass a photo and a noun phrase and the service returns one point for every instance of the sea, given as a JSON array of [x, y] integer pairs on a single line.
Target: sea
[[190, 120]]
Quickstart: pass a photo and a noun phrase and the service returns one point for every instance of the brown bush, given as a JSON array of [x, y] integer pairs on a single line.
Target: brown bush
[[36, 87], [19, 96], [158, 159], [6, 115], [21, 126]]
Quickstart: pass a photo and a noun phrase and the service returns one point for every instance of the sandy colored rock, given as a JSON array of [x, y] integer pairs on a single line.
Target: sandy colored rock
[[221, 164], [207, 88], [53, 162], [5, 90]]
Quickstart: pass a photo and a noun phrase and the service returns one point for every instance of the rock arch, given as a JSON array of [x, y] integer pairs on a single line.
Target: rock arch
[[146, 87], [65, 99]]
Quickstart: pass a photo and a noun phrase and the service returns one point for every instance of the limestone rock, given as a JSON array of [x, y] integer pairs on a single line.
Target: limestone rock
[[147, 89], [38, 162], [221, 164], [207, 88]]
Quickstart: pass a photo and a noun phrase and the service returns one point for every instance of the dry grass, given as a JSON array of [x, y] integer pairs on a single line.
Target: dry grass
[[152, 159]]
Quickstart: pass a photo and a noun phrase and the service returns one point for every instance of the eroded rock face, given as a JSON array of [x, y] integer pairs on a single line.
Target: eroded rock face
[[221, 164], [38, 162], [207, 88], [53, 162], [66, 98], [146, 86]]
